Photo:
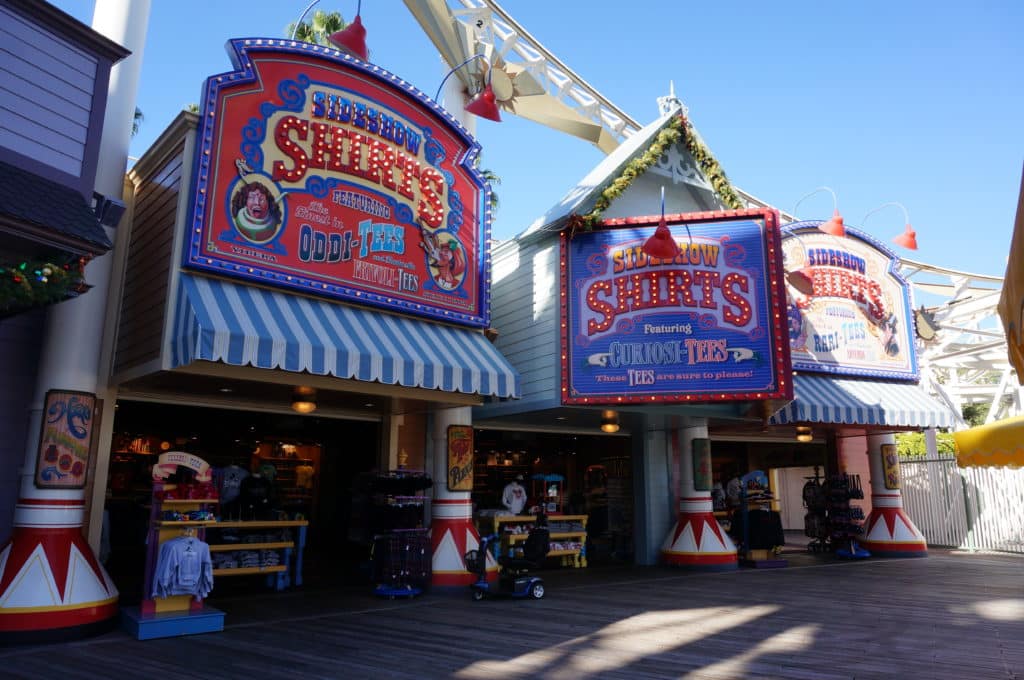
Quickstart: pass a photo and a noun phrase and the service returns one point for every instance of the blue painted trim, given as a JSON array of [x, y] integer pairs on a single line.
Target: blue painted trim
[[171, 624]]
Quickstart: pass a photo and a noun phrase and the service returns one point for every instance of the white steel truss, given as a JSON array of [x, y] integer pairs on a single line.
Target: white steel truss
[[965, 362]]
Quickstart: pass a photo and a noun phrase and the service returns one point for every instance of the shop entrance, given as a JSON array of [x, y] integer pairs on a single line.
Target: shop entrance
[[786, 466], [311, 463], [563, 474]]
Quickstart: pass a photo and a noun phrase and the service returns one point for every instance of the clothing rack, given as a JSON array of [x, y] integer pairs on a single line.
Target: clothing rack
[[401, 554]]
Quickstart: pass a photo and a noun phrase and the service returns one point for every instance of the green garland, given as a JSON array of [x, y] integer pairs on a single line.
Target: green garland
[[28, 283], [679, 128]]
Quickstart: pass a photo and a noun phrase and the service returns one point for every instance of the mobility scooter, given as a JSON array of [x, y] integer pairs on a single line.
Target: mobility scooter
[[515, 579]]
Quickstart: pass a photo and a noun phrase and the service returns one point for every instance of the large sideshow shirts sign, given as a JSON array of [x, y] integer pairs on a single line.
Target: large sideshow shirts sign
[[322, 174], [848, 309], [703, 326]]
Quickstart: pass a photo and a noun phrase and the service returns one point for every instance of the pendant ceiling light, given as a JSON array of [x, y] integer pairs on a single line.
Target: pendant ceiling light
[[804, 434], [661, 244], [352, 38], [484, 103], [833, 225], [609, 421], [304, 399], [908, 238]]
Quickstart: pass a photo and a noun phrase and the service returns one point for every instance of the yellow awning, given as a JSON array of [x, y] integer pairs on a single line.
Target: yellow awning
[[997, 444]]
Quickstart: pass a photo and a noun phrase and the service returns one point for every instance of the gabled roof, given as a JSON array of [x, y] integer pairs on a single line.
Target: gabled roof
[[582, 198], [34, 203]]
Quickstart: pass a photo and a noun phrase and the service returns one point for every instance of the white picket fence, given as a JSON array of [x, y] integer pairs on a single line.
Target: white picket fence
[[974, 508]]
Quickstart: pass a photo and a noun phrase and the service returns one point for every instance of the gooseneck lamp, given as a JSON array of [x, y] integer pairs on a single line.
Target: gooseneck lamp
[[661, 244], [908, 239], [352, 38], [295, 30], [834, 225], [483, 103]]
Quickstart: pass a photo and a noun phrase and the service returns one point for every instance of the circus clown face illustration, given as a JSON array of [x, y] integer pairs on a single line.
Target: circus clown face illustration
[[255, 211]]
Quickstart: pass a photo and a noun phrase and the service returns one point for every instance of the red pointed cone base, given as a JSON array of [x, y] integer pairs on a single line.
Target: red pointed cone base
[[697, 541], [352, 39], [50, 581], [661, 244]]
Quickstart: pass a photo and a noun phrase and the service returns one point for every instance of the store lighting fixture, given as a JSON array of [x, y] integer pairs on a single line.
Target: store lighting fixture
[[483, 103], [834, 225], [804, 434], [661, 244], [907, 239], [609, 421], [304, 399], [352, 38]]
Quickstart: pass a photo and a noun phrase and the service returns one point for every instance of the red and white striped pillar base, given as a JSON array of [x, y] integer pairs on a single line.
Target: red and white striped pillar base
[[697, 541], [888, 531], [452, 535], [51, 584]]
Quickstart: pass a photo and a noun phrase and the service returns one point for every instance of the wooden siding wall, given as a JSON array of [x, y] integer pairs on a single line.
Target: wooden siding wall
[[525, 311], [46, 94], [147, 270]]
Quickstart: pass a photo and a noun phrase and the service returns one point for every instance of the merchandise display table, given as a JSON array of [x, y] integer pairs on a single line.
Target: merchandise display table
[[568, 535]]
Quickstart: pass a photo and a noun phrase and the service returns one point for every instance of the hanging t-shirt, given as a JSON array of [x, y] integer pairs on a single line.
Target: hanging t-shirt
[[232, 477], [268, 470], [183, 567], [514, 497], [254, 497], [304, 476]]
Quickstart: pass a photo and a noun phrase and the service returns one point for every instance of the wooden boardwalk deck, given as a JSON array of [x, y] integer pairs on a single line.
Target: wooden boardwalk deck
[[947, 616]]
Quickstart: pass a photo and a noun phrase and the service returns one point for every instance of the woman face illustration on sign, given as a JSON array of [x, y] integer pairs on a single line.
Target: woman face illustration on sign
[[255, 212]]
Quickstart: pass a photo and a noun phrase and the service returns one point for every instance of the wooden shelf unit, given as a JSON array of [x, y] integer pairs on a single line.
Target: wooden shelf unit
[[280, 576], [575, 557], [244, 571]]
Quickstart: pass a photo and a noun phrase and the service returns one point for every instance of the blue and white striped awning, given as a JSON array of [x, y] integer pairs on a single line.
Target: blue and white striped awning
[[241, 325], [824, 399]]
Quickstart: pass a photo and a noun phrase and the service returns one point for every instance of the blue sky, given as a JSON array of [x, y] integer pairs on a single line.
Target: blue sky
[[916, 102]]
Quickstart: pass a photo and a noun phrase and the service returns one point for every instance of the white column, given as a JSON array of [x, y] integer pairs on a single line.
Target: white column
[[656, 512], [888, 531], [48, 522], [931, 447], [697, 541], [452, 532]]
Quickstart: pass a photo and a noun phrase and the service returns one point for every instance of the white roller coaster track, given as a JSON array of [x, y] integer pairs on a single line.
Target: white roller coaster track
[[966, 361]]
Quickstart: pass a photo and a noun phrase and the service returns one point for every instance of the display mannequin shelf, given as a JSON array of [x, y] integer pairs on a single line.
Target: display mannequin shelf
[[175, 615]]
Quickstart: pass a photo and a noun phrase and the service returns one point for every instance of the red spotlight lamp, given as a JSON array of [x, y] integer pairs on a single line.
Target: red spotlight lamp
[[834, 225], [483, 103], [661, 244], [352, 38], [908, 239]]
